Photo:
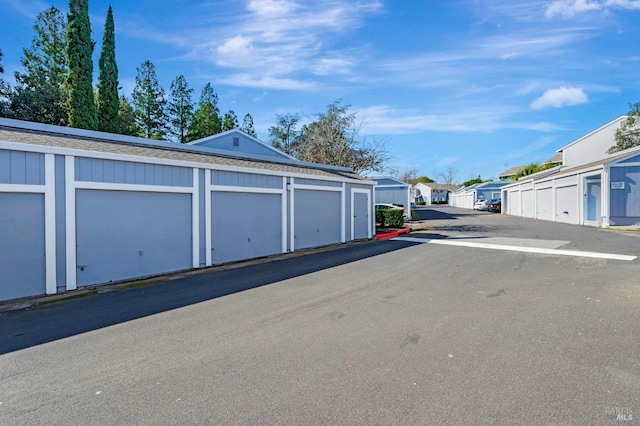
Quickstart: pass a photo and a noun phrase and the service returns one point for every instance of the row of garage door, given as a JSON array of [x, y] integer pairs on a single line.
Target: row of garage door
[[125, 234], [540, 203]]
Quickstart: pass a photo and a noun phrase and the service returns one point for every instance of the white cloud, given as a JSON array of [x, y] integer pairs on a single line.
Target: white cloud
[[236, 52], [562, 96], [570, 8], [331, 66], [382, 119], [271, 8], [266, 82]]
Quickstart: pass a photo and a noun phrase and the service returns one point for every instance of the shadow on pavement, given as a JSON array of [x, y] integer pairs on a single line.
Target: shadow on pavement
[[49, 322], [441, 213], [467, 228]]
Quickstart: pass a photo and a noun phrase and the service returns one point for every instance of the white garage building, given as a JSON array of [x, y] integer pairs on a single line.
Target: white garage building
[[81, 208], [591, 188]]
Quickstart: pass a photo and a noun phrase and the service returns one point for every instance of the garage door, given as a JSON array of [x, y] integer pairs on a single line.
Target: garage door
[[245, 225], [124, 235], [567, 204], [360, 215], [527, 203], [544, 207], [317, 218], [514, 203], [23, 246]]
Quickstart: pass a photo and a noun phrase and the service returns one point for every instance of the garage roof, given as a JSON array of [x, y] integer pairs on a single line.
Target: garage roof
[[62, 137]]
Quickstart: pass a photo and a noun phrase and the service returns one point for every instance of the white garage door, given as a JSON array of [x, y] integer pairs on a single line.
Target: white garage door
[[528, 203], [544, 199], [513, 204], [567, 204]]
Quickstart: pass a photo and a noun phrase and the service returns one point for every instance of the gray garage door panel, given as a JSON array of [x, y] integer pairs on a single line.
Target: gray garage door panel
[[124, 235], [317, 218], [245, 225], [360, 215], [22, 237]]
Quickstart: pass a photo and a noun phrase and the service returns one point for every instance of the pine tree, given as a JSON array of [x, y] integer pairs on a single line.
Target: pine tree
[[230, 121], [127, 118], [149, 101], [180, 108], [206, 118], [108, 100], [247, 125], [40, 92], [81, 102]]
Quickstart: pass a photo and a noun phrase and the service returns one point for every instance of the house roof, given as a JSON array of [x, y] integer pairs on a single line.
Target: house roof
[[63, 137], [434, 185], [555, 159], [246, 135], [388, 181], [511, 172]]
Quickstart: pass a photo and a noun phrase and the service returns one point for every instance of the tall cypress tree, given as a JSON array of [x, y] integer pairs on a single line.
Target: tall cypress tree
[[108, 100], [81, 103]]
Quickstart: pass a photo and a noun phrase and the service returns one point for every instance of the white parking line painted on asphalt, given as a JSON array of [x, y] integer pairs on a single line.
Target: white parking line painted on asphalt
[[538, 250]]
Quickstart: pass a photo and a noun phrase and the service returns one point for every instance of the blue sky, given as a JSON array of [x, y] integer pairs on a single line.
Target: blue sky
[[473, 85]]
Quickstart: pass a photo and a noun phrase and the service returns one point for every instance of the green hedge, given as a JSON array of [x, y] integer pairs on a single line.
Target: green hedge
[[390, 217]]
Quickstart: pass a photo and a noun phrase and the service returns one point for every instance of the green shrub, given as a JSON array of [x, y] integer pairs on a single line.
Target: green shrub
[[394, 218], [380, 217], [421, 203]]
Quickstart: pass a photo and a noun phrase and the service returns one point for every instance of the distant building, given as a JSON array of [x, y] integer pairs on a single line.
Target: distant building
[[466, 197], [392, 191], [591, 187], [432, 193]]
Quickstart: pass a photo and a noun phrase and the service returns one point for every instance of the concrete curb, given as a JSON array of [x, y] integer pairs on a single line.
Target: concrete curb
[[393, 234]]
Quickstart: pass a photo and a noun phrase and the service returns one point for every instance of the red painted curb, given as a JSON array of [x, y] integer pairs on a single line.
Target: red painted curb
[[392, 234]]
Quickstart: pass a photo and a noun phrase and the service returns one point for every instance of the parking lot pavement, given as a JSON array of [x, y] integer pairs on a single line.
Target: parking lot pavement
[[387, 332], [452, 222]]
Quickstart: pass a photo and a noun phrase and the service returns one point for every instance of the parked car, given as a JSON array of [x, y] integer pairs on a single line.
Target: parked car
[[495, 206], [387, 206], [481, 205]]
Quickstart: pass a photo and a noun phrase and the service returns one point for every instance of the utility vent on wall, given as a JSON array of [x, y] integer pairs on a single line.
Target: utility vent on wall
[[236, 141]]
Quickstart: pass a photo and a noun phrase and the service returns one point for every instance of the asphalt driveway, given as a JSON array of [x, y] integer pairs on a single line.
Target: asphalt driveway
[[385, 332]]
